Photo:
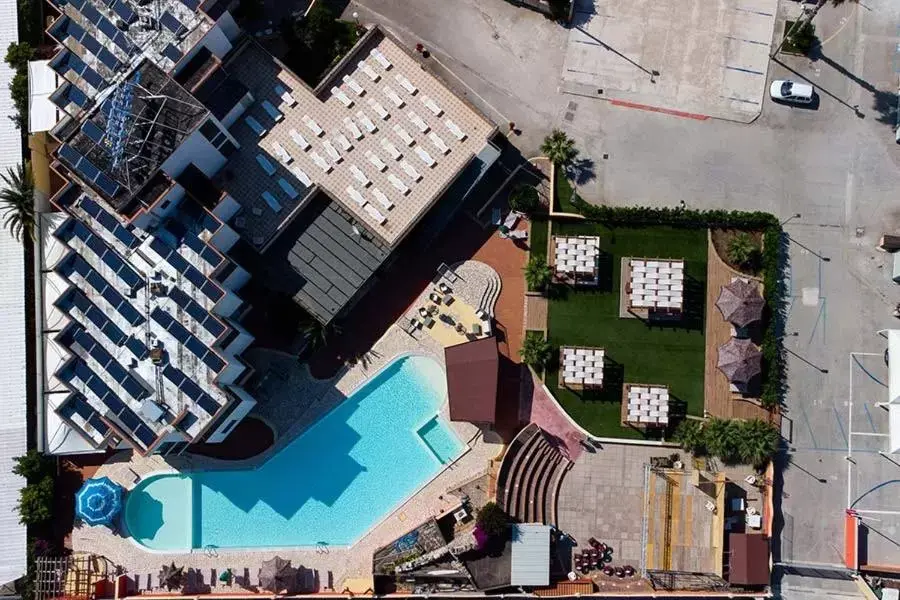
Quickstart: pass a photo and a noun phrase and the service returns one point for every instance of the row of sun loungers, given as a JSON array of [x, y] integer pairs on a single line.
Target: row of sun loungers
[[582, 367], [647, 405], [656, 284], [576, 255]]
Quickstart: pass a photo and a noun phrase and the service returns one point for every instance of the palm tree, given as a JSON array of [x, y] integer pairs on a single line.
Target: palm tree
[[689, 434], [743, 250], [559, 148], [758, 442], [17, 200], [537, 273], [317, 333], [804, 21], [171, 577], [721, 437], [535, 350]]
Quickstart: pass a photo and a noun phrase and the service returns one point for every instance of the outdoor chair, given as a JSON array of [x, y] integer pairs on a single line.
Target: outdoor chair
[[518, 235]]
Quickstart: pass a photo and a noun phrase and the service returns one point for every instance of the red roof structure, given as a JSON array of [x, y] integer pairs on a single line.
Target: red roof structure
[[749, 559], [472, 374]]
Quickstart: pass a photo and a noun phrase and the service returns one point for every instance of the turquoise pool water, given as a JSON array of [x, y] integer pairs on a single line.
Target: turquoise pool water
[[330, 485]]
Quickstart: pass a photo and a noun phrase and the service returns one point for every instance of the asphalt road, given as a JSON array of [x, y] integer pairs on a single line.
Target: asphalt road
[[835, 163]]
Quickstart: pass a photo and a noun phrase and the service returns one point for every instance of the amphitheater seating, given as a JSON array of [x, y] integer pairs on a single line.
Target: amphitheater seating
[[530, 477]]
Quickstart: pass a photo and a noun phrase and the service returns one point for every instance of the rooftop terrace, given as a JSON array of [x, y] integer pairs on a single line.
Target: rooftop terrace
[[383, 137], [141, 330]]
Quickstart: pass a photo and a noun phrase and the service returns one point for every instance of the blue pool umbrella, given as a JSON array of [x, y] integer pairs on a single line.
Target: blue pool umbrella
[[98, 501]]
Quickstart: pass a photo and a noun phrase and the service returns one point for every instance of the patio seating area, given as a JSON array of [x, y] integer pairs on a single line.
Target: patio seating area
[[645, 405], [575, 259], [654, 286], [582, 367]]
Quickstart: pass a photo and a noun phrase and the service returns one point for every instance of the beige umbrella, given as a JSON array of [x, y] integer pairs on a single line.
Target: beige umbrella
[[740, 360], [740, 302]]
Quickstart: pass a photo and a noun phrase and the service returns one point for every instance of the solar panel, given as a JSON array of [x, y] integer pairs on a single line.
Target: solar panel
[[131, 314], [107, 185], [134, 389], [161, 317], [98, 424], [191, 389], [91, 130], [179, 332], [108, 29], [122, 41], [79, 4], [129, 419], [90, 13], [108, 58], [195, 346], [91, 43], [126, 237], [69, 154], [91, 207], [117, 372], [69, 93], [137, 347], [124, 11], [212, 291], [113, 404], [93, 78], [191, 4], [214, 327], [112, 331], [160, 248], [214, 362], [206, 402], [172, 53], [170, 22], [174, 375], [177, 261], [100, 389], [79, 405], [194, 276], [145, 435], [210, 256]]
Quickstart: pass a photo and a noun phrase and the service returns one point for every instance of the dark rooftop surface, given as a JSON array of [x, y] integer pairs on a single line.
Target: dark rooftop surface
[[748, 559], [472, 371], [322, 258]]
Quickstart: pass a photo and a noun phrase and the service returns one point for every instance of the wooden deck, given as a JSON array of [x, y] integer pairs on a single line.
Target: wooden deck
[[536, 307], [719, 401]]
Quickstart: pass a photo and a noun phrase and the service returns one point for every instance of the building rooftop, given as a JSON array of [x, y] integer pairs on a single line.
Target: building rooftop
[[472, 375], [139, 337], [121, 143], [322, 258], [381, 136], [530, 549], [103, 40]]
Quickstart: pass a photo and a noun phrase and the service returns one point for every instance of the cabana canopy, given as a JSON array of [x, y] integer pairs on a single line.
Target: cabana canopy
[[748, 559], [472, 380]]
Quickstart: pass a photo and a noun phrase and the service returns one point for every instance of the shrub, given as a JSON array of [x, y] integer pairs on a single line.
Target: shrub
[[535, 350], [493, 520], [537, 273], [689, 434], [758, 442], [803, 37], [36, 502], [524, 199], [720, 437], [33, 466], [743, 250]]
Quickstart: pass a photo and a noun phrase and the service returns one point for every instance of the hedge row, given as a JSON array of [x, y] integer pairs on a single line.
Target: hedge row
[[774, 363]]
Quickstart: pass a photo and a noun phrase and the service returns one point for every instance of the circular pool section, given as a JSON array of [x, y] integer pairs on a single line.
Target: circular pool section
[[330, 485]]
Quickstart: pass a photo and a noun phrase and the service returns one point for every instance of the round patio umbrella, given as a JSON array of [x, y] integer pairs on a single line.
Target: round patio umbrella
[[740, 360], [98, 501], [740, 302], [277, 574]]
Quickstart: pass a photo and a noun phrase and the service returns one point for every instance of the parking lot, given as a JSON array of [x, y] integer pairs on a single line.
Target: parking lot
[[711, 58]]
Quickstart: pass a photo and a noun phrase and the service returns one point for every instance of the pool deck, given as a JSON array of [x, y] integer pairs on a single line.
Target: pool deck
[[291, 400]]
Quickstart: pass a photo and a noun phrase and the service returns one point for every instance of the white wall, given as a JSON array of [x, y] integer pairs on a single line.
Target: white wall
[[238, 279], [216, 41], [228, 25], [195, 149], [224, 238], [174, 197], [247, 403], [227, 305], [226, 209], [239, 109]]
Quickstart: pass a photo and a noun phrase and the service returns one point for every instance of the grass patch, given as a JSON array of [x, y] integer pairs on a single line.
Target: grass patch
[[671, 354], [802, 41], [540, 229], [565, 195], [318, 41]]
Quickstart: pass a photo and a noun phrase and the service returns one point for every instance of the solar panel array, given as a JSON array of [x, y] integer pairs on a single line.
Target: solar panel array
[[75, 298], [108, 221], [187, 339], [69, 93], [197, 312], [77, 404], [75, 264], [109, 257], [88, 171], [190, 272], [191, 389], [66, 61]]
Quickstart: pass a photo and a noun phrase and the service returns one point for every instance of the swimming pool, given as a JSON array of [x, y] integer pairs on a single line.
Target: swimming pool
[[330, 485]]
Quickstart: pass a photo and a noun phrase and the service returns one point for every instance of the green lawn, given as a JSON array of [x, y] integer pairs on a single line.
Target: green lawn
[[564, 193], [539, 230], [671, 354]]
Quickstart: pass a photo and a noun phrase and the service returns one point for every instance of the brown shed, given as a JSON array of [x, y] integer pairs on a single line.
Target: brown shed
[[748, 562], [472, 380]]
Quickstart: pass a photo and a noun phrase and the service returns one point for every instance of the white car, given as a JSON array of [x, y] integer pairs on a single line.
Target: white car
[[791, 91]]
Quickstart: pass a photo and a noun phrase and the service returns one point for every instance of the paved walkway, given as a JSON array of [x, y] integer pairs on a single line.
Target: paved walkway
[[539, 408]]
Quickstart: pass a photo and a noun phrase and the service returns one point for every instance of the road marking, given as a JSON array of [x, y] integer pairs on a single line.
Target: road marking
[[503, 118], [848, 197], [870, 433], [855, 8], [743, 70], [754, 12], [731, 37], [666, 111]]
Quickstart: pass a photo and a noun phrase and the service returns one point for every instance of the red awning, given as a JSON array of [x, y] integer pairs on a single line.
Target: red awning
[[749, 559], [472, 380]]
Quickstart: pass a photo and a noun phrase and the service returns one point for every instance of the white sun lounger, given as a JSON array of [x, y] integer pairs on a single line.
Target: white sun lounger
[[426, 158], [379, 109], [352, 128], [369, 71], [359, 176], [299, 139], [438, 142], [253, 124], [406, 84], [320, 162], [382, 199], [282, 154], [271, 201], [355, 195], [455, 130], [266, 164], [391, 149], [416, 120], [354, 85], [393, 97], [366, 122], [410, 170], [341, 96], [404, 135], [432, 106], [380, 58], [290, 190], [272, 111], [375, 214], [313, 126], [332, 152], [398, 184], [285, 95], [301, 175], [343, 142], [375, 160]]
